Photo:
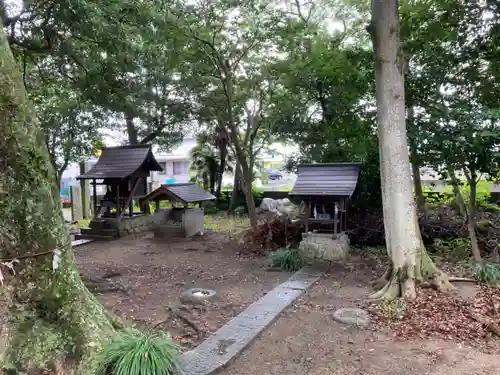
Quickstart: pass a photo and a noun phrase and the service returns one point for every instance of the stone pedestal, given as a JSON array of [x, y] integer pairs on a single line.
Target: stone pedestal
[[325, 246]]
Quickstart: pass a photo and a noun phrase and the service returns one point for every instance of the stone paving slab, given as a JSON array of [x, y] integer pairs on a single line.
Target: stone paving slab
[[79, 242], [230, 340]]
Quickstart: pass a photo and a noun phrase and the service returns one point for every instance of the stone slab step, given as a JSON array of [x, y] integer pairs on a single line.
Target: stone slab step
[[215, 352], [93, 237]]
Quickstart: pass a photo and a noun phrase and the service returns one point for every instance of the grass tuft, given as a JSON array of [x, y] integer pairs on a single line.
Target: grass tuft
[[488, 273], [134, 352], [286, 259]]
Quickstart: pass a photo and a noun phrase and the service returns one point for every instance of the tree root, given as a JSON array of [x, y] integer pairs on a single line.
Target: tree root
[[392, 286], [490, 326], [390, 291], [100, 285], [178, 314], [382, 281]]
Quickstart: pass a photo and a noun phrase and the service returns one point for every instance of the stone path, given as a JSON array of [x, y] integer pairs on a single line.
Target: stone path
[[76, 243], [230, 340]]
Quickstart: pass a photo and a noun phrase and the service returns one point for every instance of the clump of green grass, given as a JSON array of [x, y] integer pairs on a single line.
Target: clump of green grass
[[134, 352], [286, 259], [488, 273], [394, 309]]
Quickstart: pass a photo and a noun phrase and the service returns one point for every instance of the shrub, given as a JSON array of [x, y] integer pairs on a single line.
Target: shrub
[[394, 309], [286, 259], [455, 248], [134, 352], [210, 208], [488, 273]]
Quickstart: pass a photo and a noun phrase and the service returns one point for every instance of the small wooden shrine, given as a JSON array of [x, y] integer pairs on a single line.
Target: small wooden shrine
[[182, 219], [324, 190], [124, 171], [178, 194]]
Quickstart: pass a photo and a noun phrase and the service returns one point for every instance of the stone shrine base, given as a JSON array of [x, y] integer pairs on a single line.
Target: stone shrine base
[[325, 246]]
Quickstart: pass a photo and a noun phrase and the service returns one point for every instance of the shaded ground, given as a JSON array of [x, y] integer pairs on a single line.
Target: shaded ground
[[152, 274], [306, 340]]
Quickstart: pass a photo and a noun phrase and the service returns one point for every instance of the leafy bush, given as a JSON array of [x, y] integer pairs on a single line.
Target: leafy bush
[[393, 309], [210, 208], [134, 352], [488, 273], [456, 248], [286, 259], [225, 199]]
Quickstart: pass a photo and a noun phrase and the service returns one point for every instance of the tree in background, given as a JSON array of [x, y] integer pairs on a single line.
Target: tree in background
[[231, 51], [206, 163], [409, 261], [71, 127]]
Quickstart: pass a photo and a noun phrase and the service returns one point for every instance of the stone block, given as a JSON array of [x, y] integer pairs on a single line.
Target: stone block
[[231, 339], [325, 246]]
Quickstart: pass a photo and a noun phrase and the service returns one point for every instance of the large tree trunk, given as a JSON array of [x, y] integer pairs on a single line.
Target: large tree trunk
[[51, 315], [222, 168], [247, 179], [236, 187], [132, 135], [471, 219], [415, 168], [410, 263], [456, 191]]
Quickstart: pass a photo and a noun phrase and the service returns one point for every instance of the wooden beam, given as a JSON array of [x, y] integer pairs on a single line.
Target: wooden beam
[[145, 206], [308, 215], [131, 194], [118, 205], [94, 199]]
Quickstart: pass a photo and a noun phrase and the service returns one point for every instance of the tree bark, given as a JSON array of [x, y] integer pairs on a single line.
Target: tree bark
[[471, 218], [247, 187], [51, 314], [236, 187], [415, 167], [419, 192], [410, 263], [133, 138], [456, 191], [222, 168]]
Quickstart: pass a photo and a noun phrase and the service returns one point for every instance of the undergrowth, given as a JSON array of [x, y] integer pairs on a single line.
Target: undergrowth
[[134, 352], [458, 249], [488, 273], [286, 259], [394, 309]]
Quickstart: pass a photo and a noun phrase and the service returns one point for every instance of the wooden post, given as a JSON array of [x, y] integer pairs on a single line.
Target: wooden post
[[118, 205], [308, 215], [84, 193], [157, 205], [131, 194], [145, 207], [131, 204], [94, 197], [76, 203], [345, 214], [335, 223]]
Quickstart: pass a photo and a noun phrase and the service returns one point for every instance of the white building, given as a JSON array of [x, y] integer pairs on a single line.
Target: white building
[[175, 164]]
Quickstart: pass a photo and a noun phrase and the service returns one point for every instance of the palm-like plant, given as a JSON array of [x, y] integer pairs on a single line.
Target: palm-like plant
[[206, 163]]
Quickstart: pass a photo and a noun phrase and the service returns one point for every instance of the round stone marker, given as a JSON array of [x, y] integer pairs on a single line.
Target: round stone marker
[[352, 316], [197, 296]]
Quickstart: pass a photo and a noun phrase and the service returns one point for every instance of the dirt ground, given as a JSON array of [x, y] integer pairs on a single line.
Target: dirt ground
[[153, 274], [306, 340]]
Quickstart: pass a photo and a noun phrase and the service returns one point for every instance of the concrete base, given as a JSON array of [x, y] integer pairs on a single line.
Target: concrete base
[[181, 223], [325, 246], [111, 227]]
